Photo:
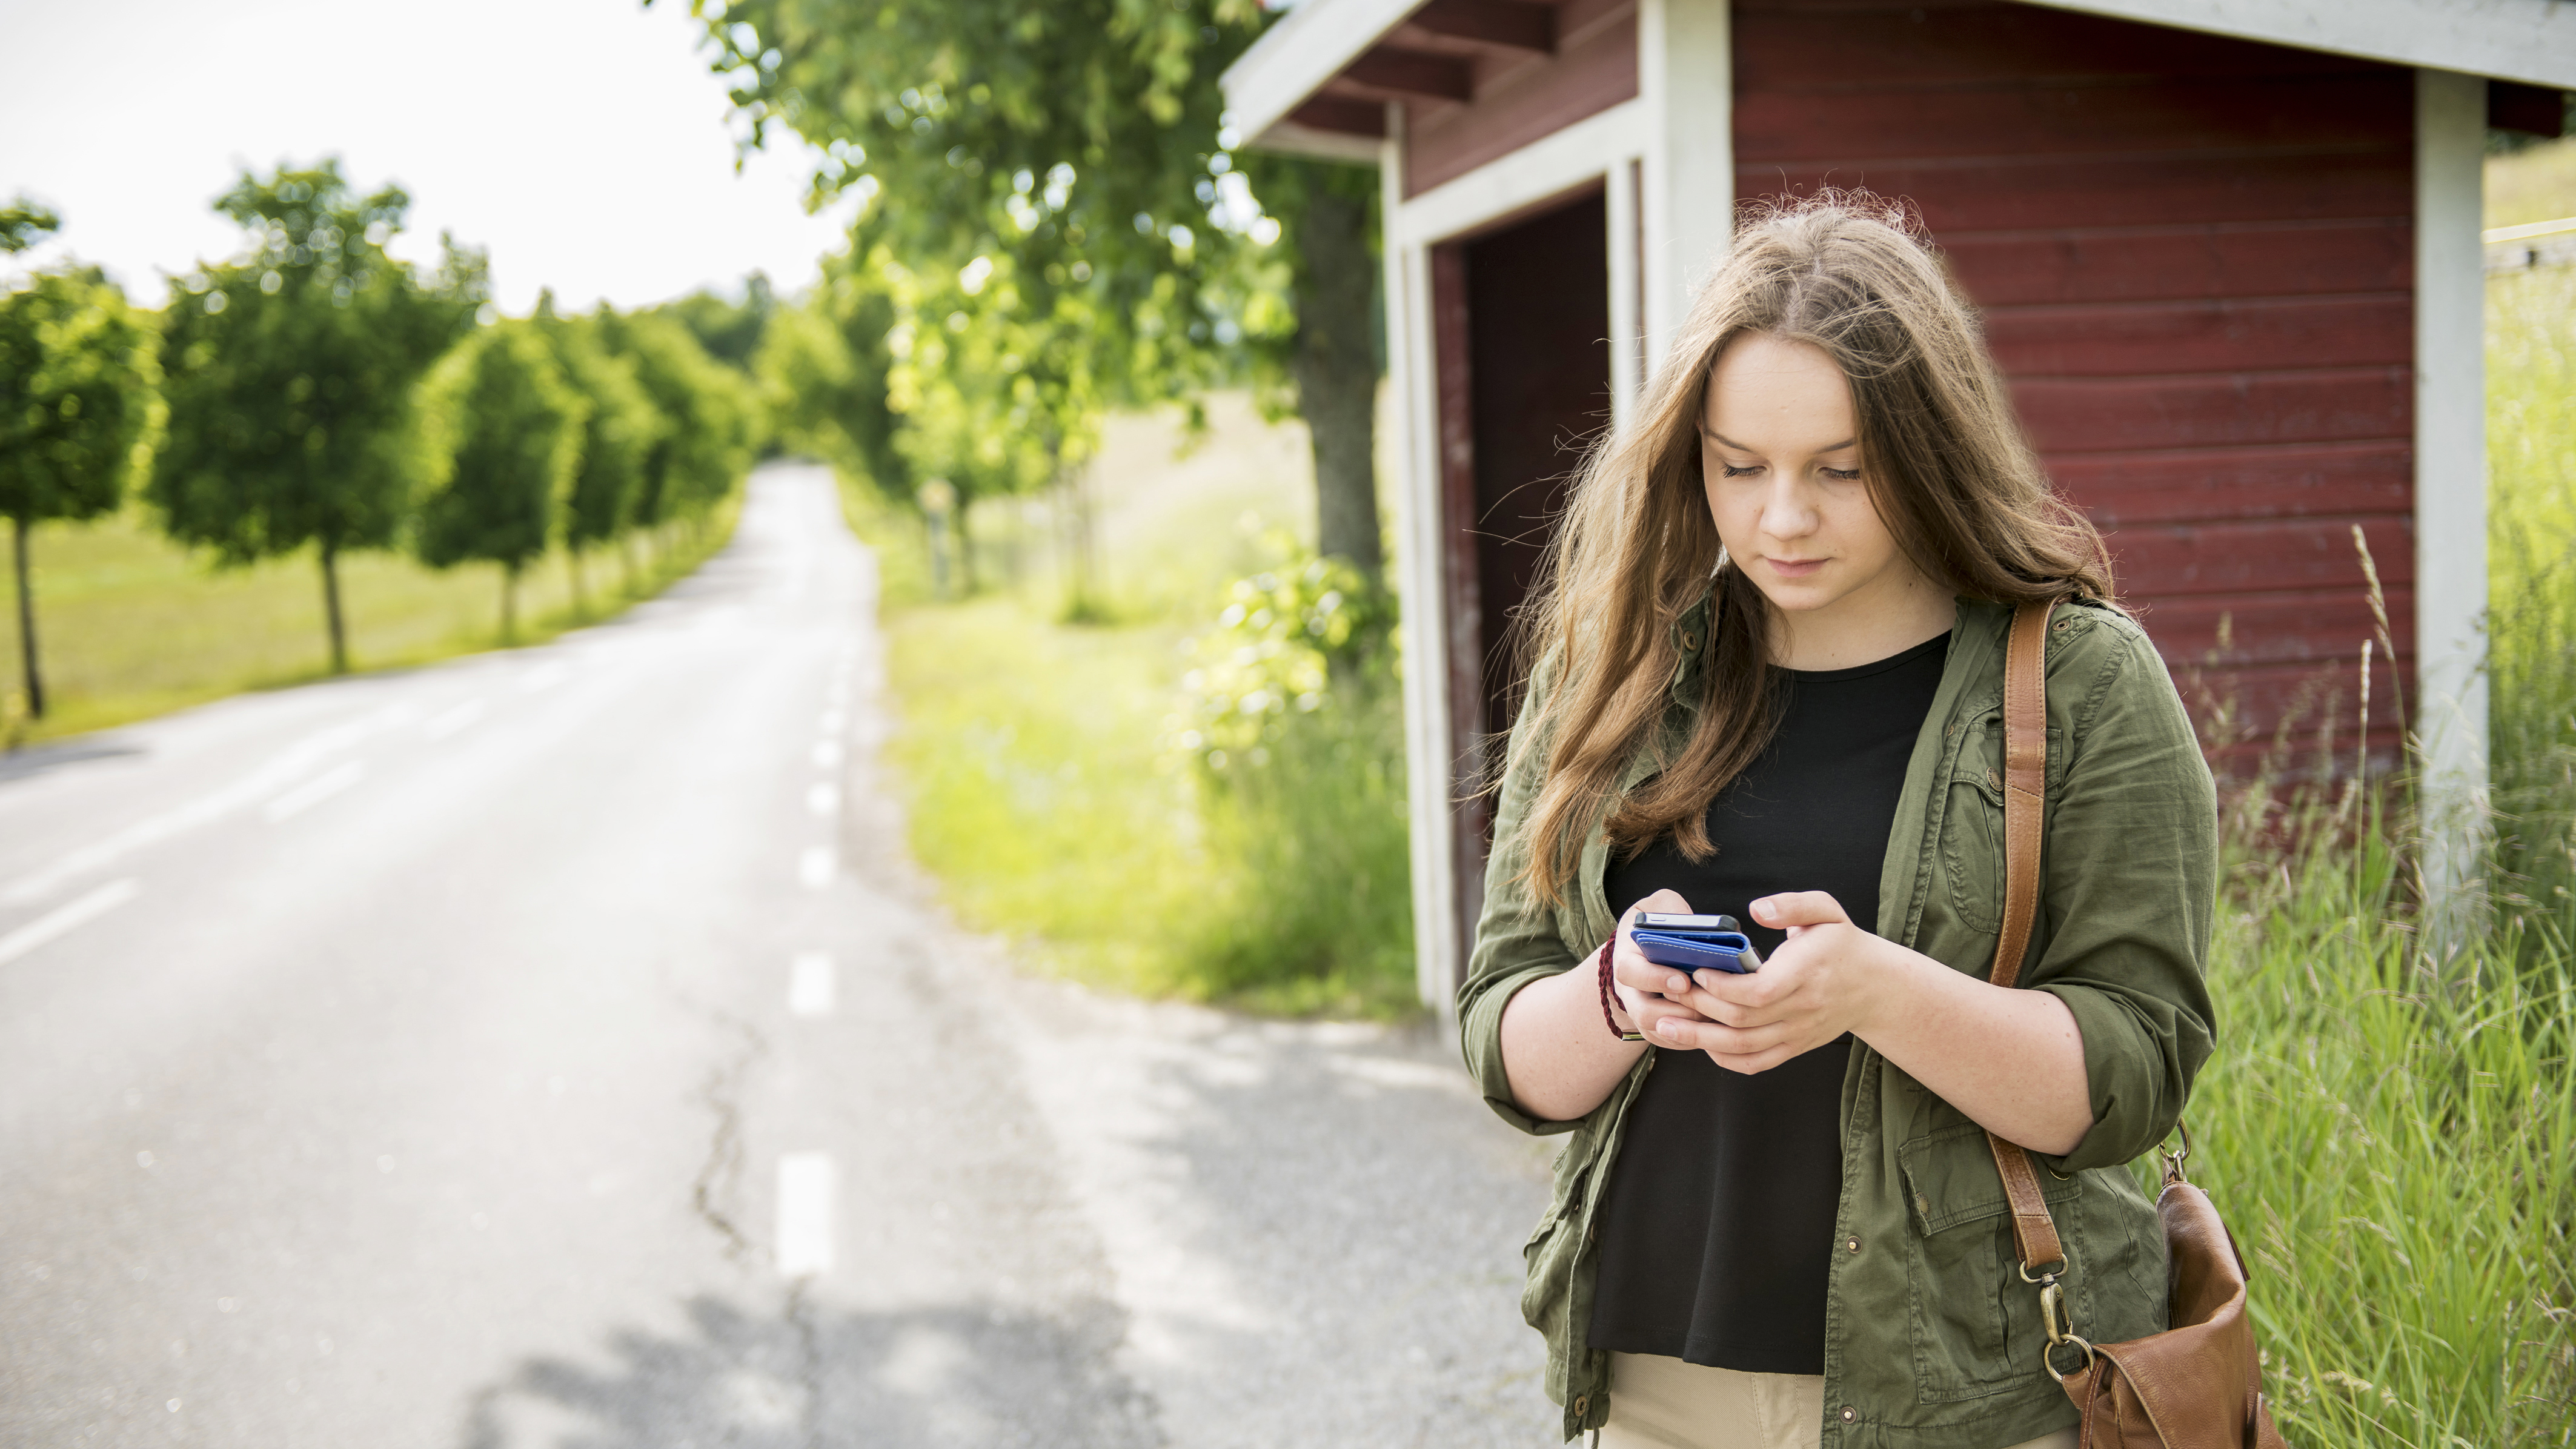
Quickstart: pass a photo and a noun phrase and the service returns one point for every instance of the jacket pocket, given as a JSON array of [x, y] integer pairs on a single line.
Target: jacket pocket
[[1972, 819], [1972, 825], [1971, 1334]]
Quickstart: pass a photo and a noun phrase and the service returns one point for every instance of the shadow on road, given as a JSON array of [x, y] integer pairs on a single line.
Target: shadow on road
[[37, 759], [951, 1375]]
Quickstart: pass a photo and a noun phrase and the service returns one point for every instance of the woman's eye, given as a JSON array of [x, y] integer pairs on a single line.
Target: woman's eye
[[1732, 471], [1843, 475]]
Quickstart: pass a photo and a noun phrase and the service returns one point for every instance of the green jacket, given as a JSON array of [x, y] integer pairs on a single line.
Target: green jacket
[[1932, 1340]]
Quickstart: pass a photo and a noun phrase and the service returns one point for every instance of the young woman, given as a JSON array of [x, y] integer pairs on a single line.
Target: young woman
[[1769, 684]]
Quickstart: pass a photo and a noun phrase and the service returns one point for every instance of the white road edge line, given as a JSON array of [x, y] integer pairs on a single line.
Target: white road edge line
[[805, 1183], [810, 987], [314, 791], [65, 919], [816, 866]]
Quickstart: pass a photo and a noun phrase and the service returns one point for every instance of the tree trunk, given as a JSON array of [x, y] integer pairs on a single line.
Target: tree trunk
[[27, 621], [509, 603], [1335, 367], [580, 595], [331, 608]]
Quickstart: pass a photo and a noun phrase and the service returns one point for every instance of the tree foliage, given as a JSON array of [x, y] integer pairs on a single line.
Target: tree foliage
[[290, 372], [619, 429], [504, 434], [1078, 151], [708, 416], [80, 410]]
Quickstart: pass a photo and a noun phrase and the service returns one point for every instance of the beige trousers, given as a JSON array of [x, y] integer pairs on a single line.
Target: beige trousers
[[1664, 1403]]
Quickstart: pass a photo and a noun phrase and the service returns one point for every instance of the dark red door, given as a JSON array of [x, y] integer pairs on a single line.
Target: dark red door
[[1522, 322]]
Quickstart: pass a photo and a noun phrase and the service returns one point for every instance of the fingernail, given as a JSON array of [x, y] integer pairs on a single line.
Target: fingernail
[[1670, 1028], [1678, 983]]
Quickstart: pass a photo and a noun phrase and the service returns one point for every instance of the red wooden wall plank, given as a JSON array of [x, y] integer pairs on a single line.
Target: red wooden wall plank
[[2090, 414], [2000, 192], [2080, 116], [2174, 260], [2197, 258], [2199, 335], [2124, 489]]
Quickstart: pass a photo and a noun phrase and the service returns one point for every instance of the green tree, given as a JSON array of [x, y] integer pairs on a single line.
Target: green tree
[[619, 429], [80, 408], [1085, 141], [728, 329], [706, 413], [505, 435], [290, 374], [822, 370]]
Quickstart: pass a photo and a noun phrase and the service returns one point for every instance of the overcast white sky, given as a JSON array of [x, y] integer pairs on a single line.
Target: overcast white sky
[[581, 141]]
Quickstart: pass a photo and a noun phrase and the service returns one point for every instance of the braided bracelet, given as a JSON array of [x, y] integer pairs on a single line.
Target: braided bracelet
[[1606, 1017]]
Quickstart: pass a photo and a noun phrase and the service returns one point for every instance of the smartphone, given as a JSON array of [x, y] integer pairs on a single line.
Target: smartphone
[[1694, 943]]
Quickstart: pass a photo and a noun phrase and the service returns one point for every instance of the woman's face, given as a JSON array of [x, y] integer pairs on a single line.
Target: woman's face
[[1780, 447]]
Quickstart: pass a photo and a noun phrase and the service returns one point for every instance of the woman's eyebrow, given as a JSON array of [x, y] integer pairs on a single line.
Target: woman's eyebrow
[[1722, 440]]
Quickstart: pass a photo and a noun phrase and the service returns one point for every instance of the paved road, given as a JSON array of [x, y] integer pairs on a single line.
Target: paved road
[[553, 1047]]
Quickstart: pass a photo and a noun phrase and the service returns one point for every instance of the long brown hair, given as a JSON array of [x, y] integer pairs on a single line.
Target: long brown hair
[[1944, 459]]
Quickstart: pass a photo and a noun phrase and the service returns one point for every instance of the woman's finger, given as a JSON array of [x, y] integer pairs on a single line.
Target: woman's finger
[[1798, 908], [1633, 969]]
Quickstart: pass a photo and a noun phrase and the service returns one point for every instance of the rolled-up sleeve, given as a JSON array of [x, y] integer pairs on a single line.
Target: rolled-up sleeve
[[2131, 866], [1517, 941]]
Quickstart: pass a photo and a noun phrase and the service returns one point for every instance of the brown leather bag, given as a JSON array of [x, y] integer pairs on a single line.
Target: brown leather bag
[[2198, 1384]]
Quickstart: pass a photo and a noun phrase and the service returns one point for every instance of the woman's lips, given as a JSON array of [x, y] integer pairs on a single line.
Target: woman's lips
[[1794, 568]]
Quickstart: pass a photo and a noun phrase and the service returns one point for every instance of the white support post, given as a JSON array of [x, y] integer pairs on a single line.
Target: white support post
[[2450, 488], [1411, 364], [1686, 79], [1627, 355]]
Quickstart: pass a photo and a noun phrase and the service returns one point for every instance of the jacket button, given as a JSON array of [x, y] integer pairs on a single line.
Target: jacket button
[[1853, 1244], [1849, 1415], [1582, 1402]]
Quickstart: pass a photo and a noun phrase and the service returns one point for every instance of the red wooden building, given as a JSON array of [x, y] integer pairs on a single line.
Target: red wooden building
[[2227, 251]]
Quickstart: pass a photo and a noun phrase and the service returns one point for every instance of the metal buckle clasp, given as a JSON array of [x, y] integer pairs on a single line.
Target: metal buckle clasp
[[2061, 1329]]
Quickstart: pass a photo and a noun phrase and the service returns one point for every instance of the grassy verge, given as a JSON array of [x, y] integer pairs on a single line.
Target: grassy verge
[[2395, 1149], [1035, 759], [132, 625]]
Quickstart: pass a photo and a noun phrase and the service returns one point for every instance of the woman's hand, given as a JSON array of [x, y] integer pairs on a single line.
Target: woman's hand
[[1648, 994], [1825, 980]]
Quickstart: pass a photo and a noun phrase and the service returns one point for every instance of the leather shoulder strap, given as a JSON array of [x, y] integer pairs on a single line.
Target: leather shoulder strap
[[2025, 796]]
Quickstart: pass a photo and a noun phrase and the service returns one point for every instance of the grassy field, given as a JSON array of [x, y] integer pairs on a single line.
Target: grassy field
[[132, 625]]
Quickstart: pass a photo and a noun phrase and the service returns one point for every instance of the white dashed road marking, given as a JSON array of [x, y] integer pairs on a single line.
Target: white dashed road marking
[[811, 990], [824, 798], [816, 866], [804, 1214], [64, 920], [827, 754], [316, 790]]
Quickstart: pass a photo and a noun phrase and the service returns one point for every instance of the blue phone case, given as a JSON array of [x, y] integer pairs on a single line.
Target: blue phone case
[[1729, 951]]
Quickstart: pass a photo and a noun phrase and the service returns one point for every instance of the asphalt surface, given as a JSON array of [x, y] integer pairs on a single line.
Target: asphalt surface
[[554, 1047]]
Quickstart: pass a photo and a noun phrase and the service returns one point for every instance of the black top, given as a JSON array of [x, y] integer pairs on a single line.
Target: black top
[[1717, 1225]]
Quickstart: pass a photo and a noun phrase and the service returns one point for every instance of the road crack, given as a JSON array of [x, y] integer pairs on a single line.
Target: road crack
[[719, 1180]]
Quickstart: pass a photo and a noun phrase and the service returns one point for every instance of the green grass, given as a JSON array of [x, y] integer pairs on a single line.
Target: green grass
[[2395, 1151], [132, 625], [1030, 759]]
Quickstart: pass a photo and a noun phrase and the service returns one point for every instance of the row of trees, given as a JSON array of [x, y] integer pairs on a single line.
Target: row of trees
[[1055, 220], [316, 391]]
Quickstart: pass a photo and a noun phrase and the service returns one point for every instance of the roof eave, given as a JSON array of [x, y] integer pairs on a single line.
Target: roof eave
[[2532, 41], [1298, 57]]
